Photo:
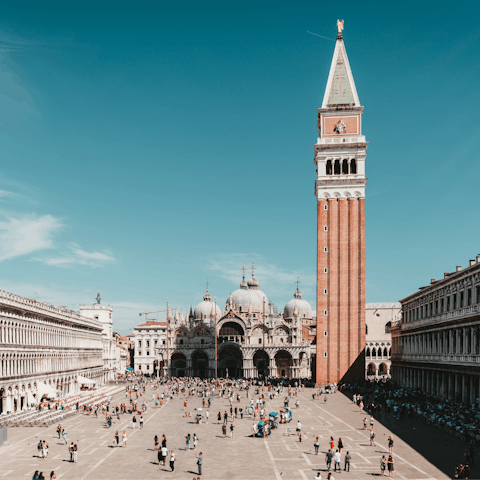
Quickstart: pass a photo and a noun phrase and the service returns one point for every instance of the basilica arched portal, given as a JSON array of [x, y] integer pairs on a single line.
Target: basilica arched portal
[[283, 362], [230, 362], [200, 364], [261, 361], [178, 364]]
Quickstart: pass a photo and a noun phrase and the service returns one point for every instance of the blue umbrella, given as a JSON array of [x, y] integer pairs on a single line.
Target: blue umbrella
[[129, 368]]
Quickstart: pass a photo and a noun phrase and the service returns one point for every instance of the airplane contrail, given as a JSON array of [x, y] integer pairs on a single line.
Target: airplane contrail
[[321, 36]]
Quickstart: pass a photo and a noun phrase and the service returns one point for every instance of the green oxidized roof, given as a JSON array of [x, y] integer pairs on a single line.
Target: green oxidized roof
[[341, 90]]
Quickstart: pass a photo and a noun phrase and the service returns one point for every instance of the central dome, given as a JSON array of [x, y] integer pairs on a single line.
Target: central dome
[[249, 299]]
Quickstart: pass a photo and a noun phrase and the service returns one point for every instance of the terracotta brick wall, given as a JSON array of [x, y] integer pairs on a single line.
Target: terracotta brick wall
[[345, 284]]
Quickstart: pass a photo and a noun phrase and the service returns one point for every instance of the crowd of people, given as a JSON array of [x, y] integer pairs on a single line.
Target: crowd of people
[[453, 417], [249, 399]]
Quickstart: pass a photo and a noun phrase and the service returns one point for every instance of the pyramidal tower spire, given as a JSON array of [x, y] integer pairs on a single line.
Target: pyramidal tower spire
[[340, 154], [340, 89]]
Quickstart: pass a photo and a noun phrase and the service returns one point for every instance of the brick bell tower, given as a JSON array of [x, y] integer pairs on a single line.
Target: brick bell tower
[[340, 155]]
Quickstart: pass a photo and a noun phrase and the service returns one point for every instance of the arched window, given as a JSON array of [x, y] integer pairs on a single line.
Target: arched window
[[336, 168], [353, 166], [385, 353], [366, 329], [388, 326], [328, 167], [345, 167], [374, 352], [368, 352], [181, 341]]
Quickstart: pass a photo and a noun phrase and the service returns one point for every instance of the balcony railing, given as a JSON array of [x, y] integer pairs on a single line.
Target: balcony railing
[[442, 317], [464, 359]]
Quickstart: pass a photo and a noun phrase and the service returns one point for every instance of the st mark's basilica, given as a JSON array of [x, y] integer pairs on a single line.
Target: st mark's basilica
[[252, 340]]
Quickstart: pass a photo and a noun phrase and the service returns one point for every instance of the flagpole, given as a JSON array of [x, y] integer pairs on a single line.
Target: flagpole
[[215, 337]]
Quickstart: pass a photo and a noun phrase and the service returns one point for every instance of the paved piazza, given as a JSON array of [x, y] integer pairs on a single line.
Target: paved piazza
[[279, 457]]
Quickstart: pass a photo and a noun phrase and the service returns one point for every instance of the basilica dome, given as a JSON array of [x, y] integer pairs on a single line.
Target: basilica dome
[[249, 299], [206, 309], [302, 307]]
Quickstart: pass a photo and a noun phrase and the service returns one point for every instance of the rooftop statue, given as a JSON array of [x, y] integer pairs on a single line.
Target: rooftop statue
[[340, 27]]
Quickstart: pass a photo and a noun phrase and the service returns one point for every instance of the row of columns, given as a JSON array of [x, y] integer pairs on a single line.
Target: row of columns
[[11, 366], [456, 386], [463, 341], [471, 296], [28, 333]]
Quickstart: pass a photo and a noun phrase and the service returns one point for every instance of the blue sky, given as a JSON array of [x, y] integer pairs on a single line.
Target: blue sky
[[149, 146]]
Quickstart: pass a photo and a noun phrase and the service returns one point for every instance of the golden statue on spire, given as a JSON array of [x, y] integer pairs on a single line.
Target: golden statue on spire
[[340, 28]]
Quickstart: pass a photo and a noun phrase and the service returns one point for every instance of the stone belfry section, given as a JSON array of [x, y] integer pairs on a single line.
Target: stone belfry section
[[340, 155]]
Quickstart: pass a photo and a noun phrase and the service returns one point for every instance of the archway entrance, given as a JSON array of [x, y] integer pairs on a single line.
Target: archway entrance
[[283, 362], [178, 365], [261, 360], [230, 362], [199, 364]]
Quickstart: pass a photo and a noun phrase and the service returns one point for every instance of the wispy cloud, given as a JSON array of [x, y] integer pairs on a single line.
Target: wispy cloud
[[282, 280], [77, 256], [25, 234]]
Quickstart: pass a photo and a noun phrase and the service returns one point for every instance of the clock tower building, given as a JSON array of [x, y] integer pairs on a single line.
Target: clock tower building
[[340, 154]]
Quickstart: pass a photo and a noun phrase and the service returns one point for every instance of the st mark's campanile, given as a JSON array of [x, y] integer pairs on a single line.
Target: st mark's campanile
[[340, 155]]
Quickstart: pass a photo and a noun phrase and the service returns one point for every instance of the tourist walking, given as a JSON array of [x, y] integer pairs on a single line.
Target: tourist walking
[[172, 460], [383, 465], [134, 422], [317, 446], [164, 454], [199, 462], [64, 436], [390, 462], [372, 439], [390, 444], [124, 438], [187, 442], [53, 475], [141, 421], [70, 449], [195, 441], [75, 453], [348, 459], [371, 423], [340, 445], [328, 459], [338, 459]]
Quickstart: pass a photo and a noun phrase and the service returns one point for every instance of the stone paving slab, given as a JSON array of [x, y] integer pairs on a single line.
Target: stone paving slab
[[281, 457]]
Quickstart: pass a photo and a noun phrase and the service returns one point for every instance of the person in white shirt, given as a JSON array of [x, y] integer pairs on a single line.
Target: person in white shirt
[[299, 428], [337, 459], [318, 476]]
